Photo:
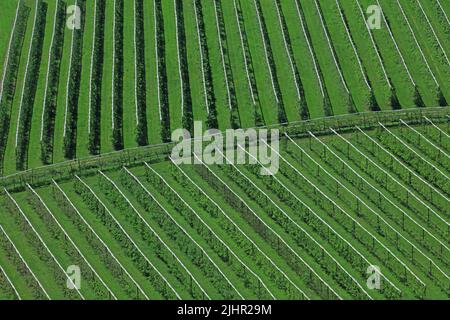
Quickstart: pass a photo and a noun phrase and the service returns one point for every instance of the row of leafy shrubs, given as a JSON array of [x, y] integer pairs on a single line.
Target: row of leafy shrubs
[[211, 121], [73, 88], [187, 118], [96, 78], [117, 97], [259, 118], [7, 290], [140, 83], [162, 73], [51, 94], [401, 172], [415, 161], [30, 86], [10, 79]]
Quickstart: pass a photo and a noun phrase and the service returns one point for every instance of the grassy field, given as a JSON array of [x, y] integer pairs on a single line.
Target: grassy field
[[116, 89]]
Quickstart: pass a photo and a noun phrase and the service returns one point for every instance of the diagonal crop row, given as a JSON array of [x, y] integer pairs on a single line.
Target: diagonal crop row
[[265, 263], [134, 252], [408, 223], [425, 145], [368, 214], [99, 287], [409, 249], [350, 224], [308, 214], [433, 31], [303, 107], [301, 236], [247, 275], [387, 23], [439, 177], [400, 191], [150, 235], [185, 242], [351, 104], [122, 276], [402, 218], [436, 134], [393, 100], [7, 287], [327, 108], [312, 279], [42, 250], [421, 48], [405, 17], [12, 254], [372, 103], [117, 77], [396, 153]]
